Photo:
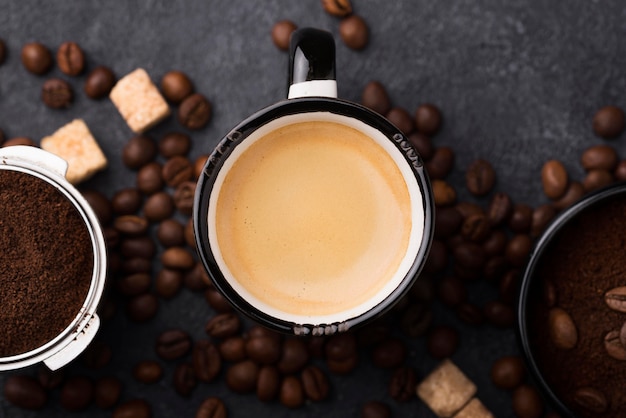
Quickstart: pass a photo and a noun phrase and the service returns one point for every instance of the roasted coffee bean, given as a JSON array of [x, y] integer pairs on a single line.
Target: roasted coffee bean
[[476, 228], [480, 177], [126, 201], [599, 157], [233, 349], [437, 258], [518, 249], [268, 383], [24, 392], [442, 342], [281, 33], [183, 197], [211, 407], [217, 301], [376, 98], [76, 393], [198, 165], [542, 216], [401, 119], [339, 8], [596, 179], [107, 391], [139, 151], [294, 356], [423, 289], [50, 379], [223, 325], [263, 349], [99, 82], [499, 314], [428, 119], [616, 299], [70, 58], [174, 144], [242, 377], [57, 93], [574, 192], [97, 355], [554, 179], [158, 207], [168, 283], [614, 346], [508, 287], [142, 308], [142, 246], [190, 237], [402, 384], [375, 409], [19, 140], [389, 354], [441, 163], [549, 294], [591, 400], [150, 178], [622, 335], [291, 392], [447, 222], [354, 32], [131, 225], [184, 379], [521, 218], [495, 244], [467, 209], [470, 255], [373, 333], [112, 237], [36, 58], [443, 193], [508, 372], [196, 279], [173, 344], [177, 258], [177, 170], [206, 360], [136, 265], [341, 353], [620, 171], [608, 122], [3, 51], [316, 346], [171, 233], [315, 383], [500, 209], [451, 291], [148, 371], [134, 408], [526, 402], [416, 320], [176, 86], [470, 314], [100, 205], [563, 331], [422, 144], [194, 112]]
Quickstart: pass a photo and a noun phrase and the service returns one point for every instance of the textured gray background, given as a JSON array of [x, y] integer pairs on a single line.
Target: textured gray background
[[518, 83]]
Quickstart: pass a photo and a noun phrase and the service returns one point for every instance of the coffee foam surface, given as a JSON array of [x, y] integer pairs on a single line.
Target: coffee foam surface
[[314, 219]]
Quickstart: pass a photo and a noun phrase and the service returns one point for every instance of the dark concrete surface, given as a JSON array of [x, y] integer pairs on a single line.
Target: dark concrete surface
[[518, 83]]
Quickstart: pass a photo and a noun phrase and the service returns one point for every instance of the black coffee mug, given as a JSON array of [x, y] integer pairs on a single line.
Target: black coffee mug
[[311, 102]]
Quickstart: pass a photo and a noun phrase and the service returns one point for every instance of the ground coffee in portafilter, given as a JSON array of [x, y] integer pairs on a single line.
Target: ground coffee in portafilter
[[46, 262]]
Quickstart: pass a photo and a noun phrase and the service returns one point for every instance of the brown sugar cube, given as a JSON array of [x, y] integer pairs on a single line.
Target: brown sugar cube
[[75, 144], [446, 389], [139, 101], [474, 409]]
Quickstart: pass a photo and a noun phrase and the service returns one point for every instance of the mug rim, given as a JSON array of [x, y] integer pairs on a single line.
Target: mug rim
[[237, 135], [547, 237]]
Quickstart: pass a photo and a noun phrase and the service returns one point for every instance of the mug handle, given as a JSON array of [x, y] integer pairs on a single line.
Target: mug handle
[[312, 64]]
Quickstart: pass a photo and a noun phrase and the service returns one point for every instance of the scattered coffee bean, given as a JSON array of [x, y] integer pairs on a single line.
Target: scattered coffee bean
[[499, 314], [315, 383], [190, 238], [173, 344], [233, 349], [549, 293], [196, 279], [389, 354], [599, 157], [416, 320], [184, 196], [447, 222], [217, 301], [354, 32], [136, 265], [616, 299], [168, 283], [443, 193], [401, 119], [131, 225], [470, 314], [341, 353], [518, 249], [563, 331], [495, 244], [608, 122], [521, 218], [223, 325], [470, 255], [375, 97], [158, 207], [591, 400], [142, 308], [622, 335], [620, 171], [294, 356], [441, 163], [36, 58], [451, 291], [542, 216], [442, 342], [100, 205], [177, 170], [614, 346], [402, 384], [339, 8], [171, 233], [574, 192], [281, 33], [428, 119], [142, 246], [211, 407], [500, 209], [437, 259], [268, 383], [107, 391], [480, 177], [173, 144], [177, 258], [184, 379], [50, 379], [263, 349], [508, 287], [24, 392], [97, 355], [554, 179], [597, 179], [57, 93], [19, 140], [99, 82], [148, 371], [291, 392], [150, 178], [134, 408], [77, 393], [176, 86], [70, 58], [242, 377], [198, 165], [139, 151], [422, 144], [206, 360], [126, 201], [194, 112], [375, 409], [508, 372], [476, 228], [526, 402]]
